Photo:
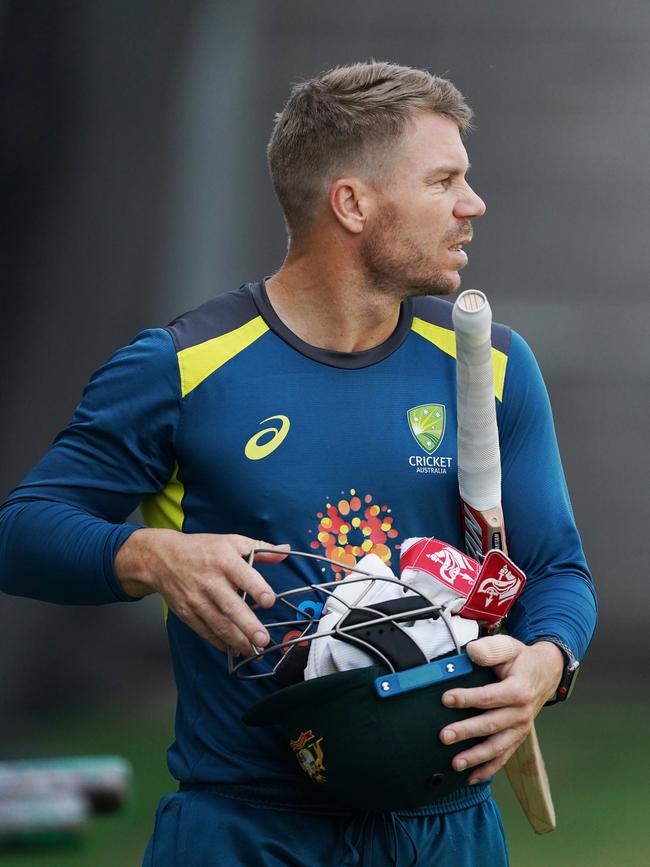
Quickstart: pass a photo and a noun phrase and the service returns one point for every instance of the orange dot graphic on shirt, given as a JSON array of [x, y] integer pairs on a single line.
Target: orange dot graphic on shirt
[[289, 636], [382, 551], [345, 538], [343, 557]]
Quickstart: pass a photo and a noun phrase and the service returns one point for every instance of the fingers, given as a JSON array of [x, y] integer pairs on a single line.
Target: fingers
[[265, 557], [232, 618], [490, 757], [493, 650], [484, 773], [502, 731], [229, 618], [486, 724], [509, 706], [205, 588], [198, 625], [492, 695], [223, 610], [245, 545], [248, 579], [223, 629]]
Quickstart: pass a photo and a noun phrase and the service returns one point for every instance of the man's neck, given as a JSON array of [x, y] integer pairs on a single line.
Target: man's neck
[[329, 306]]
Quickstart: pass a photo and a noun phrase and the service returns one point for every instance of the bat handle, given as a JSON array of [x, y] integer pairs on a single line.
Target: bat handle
[[483, 530]]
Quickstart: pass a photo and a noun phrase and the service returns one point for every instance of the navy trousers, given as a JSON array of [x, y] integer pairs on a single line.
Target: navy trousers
[[200, 828]]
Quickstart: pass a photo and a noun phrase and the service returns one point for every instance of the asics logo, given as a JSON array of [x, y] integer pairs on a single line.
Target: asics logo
[[255, 451]]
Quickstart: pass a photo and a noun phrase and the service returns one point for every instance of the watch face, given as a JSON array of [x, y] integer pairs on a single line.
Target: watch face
[[568, 681]]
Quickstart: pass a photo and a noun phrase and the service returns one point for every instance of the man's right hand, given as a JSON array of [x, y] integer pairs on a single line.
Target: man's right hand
[[199, 575]]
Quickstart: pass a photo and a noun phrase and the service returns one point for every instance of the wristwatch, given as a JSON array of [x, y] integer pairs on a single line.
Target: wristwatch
[[569, 673]]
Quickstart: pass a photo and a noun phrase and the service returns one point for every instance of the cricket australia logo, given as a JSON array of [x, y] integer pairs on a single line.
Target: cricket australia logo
[[427, 424], [309, 753]]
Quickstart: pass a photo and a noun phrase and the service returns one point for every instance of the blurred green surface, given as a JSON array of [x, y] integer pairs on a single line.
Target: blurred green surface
[[597, 759], [596, 756], [117, 839]]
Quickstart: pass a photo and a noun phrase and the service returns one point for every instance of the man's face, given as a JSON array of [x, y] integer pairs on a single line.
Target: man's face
[[411, 244]]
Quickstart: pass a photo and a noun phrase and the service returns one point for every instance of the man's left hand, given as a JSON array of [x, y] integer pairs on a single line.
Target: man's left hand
[[528, 677]]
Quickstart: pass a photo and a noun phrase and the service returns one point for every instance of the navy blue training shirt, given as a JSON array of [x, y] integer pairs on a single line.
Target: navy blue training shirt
[[226, 422]]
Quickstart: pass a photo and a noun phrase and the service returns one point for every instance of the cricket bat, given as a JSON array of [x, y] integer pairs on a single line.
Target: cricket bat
[[479, 482]]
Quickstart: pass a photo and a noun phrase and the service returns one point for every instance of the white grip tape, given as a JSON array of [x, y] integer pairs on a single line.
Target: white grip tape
[[479, 460]]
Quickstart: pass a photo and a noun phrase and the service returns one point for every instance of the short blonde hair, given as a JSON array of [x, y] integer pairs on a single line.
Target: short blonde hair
[[343, 119]]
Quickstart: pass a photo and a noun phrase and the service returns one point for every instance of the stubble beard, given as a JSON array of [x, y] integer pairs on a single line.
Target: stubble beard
[[395, 266]]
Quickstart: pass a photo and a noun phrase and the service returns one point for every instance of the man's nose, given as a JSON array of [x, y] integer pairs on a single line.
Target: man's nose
[[470, 205]]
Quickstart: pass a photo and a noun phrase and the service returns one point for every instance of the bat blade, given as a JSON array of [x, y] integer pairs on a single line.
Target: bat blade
[[479, 482], [529, 781]]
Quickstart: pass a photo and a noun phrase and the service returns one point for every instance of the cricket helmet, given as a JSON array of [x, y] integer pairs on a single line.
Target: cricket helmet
[[367, 736]]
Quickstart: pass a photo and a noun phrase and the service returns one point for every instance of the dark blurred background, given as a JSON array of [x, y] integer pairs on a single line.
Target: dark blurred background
[[134, 186]]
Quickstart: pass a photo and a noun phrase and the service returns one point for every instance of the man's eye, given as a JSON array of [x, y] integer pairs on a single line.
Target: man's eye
[[440, 182]]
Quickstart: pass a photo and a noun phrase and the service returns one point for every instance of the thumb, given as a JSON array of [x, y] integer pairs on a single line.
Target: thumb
[[492, 650]]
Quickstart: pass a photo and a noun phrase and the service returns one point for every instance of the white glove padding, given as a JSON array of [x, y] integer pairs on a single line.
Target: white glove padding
[[328, 654], [353, 590]]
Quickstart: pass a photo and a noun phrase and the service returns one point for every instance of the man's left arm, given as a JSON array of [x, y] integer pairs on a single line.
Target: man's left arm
[[554, 618]]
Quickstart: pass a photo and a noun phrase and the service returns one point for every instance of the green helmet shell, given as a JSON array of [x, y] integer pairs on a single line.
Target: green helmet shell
[[367, 752]]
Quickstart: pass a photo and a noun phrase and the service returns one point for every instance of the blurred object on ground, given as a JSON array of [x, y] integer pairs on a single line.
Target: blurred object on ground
[[47, 802]]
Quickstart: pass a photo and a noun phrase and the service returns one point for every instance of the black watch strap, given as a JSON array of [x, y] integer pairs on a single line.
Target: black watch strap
[[569, 672]]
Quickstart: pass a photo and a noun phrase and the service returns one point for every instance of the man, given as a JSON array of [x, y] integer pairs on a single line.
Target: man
[[280, 412]]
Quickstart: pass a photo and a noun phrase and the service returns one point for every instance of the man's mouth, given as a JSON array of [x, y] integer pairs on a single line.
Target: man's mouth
[[458, 246]]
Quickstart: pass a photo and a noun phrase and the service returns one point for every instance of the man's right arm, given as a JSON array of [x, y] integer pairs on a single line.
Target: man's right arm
[[63, 531], [61, 528]]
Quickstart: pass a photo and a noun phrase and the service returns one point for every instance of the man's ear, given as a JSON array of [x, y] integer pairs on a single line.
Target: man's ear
[[351, 203]]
